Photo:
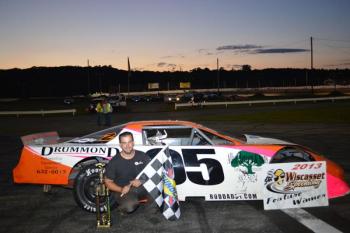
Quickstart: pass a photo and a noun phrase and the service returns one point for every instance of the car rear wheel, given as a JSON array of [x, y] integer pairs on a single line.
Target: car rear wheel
[[291, 155], [291, 160], [84, 190]]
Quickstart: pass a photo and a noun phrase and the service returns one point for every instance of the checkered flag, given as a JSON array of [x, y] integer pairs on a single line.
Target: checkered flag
[[158, 180]]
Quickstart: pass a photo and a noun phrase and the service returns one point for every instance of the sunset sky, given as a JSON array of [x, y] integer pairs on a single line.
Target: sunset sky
[[167, 35]]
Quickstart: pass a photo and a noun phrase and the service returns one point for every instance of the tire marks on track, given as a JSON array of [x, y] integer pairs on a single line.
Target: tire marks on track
[[310, 221]]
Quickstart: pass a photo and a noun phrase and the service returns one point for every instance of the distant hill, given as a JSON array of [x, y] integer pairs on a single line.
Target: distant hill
[[74, 80]]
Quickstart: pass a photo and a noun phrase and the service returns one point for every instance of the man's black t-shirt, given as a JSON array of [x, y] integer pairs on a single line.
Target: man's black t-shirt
[[122, 171]]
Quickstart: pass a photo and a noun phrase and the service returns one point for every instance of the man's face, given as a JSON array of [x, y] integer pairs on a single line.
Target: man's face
[[127, 144]]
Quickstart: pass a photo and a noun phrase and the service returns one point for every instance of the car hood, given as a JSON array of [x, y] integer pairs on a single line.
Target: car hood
[[254, 139]]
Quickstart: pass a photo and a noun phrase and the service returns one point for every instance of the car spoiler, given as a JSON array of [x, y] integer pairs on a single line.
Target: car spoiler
[[41, 138]]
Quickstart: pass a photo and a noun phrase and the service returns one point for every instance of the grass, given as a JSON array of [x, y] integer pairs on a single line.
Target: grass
[[338, 112], [80, 105], [322, 114]]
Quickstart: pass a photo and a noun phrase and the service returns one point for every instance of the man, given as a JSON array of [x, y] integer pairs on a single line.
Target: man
[[107, 111], [121, 172], [99, 111]]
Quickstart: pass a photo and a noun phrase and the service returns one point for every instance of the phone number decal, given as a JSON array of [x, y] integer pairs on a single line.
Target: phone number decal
[[51, 171]]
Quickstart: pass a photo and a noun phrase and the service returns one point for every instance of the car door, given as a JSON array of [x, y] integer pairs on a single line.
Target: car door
[[201, 168]]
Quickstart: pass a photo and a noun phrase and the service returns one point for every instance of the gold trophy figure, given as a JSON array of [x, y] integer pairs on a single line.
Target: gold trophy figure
[[103, 216]]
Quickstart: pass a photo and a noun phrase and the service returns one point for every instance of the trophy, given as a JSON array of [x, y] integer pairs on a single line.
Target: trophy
[[103, 215]]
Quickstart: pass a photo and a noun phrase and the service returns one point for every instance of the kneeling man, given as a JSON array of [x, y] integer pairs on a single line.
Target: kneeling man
[[121, 172]]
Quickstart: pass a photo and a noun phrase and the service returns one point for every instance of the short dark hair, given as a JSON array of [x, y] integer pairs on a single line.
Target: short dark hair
[[124, 134]]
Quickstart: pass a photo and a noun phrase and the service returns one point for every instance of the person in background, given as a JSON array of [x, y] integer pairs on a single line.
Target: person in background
[[99, 111], [107, 112]]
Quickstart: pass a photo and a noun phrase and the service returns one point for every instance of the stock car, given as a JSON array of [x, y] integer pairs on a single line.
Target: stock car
[[206, 163]]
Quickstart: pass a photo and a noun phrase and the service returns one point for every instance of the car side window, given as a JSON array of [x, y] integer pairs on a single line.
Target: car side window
[[173, 136]]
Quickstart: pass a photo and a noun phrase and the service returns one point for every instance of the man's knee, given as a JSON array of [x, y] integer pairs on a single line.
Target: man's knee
[[128, 203]]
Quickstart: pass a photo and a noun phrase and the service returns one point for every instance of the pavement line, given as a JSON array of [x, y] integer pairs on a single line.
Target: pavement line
[[310, 221]]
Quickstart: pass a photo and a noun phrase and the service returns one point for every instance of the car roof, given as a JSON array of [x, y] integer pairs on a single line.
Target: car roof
[[138, 125]]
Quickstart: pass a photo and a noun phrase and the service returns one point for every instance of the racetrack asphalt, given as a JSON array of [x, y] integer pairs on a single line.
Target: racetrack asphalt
[[25, 208]]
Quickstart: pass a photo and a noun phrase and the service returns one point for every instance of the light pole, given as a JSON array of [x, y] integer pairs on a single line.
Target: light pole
[[88, 74], [129, 74], [218, 74]]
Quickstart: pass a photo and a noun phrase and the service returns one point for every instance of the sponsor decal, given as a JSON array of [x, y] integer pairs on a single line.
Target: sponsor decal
[[232, 196], [93, 209], [51, 171], [246, 164], [85, 140], [50, 167], [246, 161], [291, 182], [296, 198], [91, 171], [294, 185], [246, 182], [78, 150]]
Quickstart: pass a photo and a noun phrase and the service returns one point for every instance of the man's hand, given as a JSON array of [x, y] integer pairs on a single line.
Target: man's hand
[[136, 183], [125, 189]]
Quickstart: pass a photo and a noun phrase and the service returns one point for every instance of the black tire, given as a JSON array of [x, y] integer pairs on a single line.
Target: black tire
[[85, 187]]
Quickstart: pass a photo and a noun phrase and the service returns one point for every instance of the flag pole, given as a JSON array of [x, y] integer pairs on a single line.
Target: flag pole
[[129, 74]]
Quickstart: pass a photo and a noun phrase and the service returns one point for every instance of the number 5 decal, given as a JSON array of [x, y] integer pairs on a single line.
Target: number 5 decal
[[194, 171]]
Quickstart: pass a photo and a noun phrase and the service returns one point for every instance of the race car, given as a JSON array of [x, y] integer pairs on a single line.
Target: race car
[[206, 163]]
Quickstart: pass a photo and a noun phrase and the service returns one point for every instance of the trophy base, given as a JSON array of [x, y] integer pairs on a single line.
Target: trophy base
[[104, 221], [104, 225]]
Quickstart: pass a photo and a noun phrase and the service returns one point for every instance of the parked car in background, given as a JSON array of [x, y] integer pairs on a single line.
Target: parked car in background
[[147, 98], [171, 98], [117, 100], [136, 99], [93, 104], [68, 100], [212, 96], [152, 98], [192, 97], [157, 98]]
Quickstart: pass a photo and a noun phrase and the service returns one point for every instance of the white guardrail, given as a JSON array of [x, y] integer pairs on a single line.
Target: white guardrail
[[226, 103], [236, 90], [41, 112]]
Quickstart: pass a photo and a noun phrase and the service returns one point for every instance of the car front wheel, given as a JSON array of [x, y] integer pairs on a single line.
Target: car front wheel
[[84, 190]]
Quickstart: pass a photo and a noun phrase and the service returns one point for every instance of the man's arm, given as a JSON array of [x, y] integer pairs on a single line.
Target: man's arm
[[116, 188], [136, 183]]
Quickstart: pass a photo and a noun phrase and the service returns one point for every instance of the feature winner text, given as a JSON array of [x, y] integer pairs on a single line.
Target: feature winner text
[[232, 196], [297, 198]]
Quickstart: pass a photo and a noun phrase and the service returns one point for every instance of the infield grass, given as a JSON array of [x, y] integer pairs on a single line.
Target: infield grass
[[332, 113]]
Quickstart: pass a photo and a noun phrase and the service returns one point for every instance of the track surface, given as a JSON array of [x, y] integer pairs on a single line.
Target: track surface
[[25, 208]]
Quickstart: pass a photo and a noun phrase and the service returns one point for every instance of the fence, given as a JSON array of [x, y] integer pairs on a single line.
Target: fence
[[226, 103], [41, 112]]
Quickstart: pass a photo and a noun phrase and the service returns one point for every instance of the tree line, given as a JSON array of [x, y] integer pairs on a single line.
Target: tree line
[[75, 80]]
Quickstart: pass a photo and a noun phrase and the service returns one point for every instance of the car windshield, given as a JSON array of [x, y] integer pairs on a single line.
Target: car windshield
[[215, 139], [102, 136]]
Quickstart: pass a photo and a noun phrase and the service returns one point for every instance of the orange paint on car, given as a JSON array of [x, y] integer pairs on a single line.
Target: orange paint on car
[[35, 169]]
